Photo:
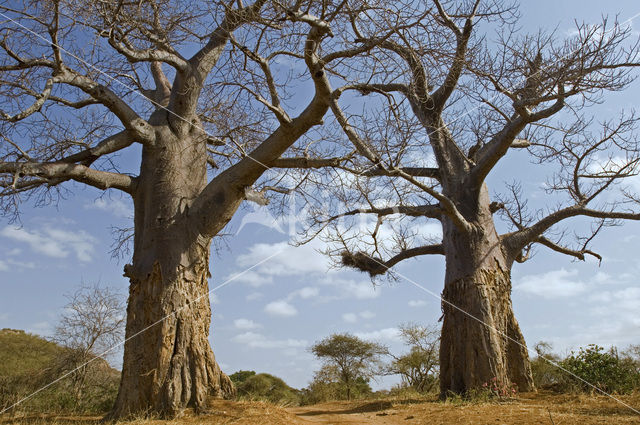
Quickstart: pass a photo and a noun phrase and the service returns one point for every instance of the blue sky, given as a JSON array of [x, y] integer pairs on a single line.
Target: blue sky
[[266, 318]]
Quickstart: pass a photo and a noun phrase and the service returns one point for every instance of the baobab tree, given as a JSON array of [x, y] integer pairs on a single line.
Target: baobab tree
[[458, 93], [187, 90]]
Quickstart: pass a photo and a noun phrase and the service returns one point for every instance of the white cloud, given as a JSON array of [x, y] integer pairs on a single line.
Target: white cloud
[[367, 314], [54, 242], [117, 207], [290, 261], [246, 324], [213, 298], [280, 308], [254, 296], [386, 334], [349, 288], [417, 303], [251, 278], [354, 317], [21, 264], [308, 292], [304, 293], [552, 284], [4, 316], [3, 266], [257, 340], [350, 317]]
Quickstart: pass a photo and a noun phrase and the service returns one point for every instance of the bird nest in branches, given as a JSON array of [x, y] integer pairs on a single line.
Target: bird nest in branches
[[364, 262]]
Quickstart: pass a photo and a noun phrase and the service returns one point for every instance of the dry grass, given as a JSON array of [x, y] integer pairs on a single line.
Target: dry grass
[[528, 409]]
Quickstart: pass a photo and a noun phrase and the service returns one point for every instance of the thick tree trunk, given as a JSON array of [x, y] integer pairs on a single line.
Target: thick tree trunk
[[475, 350], [168, 362], [481, 340]]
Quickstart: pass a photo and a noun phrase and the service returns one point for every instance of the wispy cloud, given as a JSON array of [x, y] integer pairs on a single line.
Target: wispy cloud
[[417, 303], [280, 308], [553, 284], [257, 340], [386, 334], [117, 207], [54, 242], [246, 324], [354, 317]]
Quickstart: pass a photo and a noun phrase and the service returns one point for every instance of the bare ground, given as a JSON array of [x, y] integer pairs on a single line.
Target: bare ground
[[528, 409]]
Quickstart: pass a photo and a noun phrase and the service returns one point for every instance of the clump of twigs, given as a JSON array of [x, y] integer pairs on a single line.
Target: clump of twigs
[[364, 262]]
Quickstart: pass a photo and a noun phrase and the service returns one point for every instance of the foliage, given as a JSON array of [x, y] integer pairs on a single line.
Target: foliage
[[603, 369], [419, 367], [327, 385], [29, 362], [353, 358], [264, 387], [607, 370], [241, 376]]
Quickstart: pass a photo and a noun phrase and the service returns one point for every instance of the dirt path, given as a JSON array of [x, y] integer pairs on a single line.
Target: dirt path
[[529, 409], [374, 413]]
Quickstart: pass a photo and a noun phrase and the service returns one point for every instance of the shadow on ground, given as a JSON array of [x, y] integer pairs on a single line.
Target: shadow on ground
[[375, 406]]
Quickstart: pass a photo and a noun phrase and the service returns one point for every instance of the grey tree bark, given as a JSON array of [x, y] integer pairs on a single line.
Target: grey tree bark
[[190, 183], [481, 339], [510, 93]]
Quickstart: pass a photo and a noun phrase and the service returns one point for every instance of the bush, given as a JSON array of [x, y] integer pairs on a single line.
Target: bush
[[265, 387], [327, 386], [240, 376], [604, 369], [28, 363], [546, 375]]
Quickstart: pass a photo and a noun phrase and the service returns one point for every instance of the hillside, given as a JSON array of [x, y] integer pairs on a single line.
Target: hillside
[[25, 354], [29, 362]]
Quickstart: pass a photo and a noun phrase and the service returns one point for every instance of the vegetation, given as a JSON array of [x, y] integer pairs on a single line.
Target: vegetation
[[419, 367], [594, 367], [29, 362], [327, 385], [350, 359], [264, 387]]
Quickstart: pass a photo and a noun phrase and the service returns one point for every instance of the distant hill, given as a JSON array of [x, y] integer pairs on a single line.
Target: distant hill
[[22, 353], [29, 362]]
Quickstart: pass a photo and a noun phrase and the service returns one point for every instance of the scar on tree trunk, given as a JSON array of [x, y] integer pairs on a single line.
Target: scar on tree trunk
[[168, 364], [476, 350]]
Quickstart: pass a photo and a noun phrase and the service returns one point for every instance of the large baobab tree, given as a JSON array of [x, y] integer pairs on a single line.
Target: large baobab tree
[[185, 89], [457, 93]]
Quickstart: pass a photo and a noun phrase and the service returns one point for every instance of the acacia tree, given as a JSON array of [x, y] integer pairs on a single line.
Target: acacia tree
[[213, 119], [453, 106], [352, 357]]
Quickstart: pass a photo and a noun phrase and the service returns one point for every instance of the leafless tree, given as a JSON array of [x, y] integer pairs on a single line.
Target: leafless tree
[[446, 101], [418, 368], [227, 89], [91, 323]]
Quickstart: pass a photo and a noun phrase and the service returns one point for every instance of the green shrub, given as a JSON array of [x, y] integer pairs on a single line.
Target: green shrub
[[29, 362], [327, 386], [240, 376], [265, 387], [604, 369]]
